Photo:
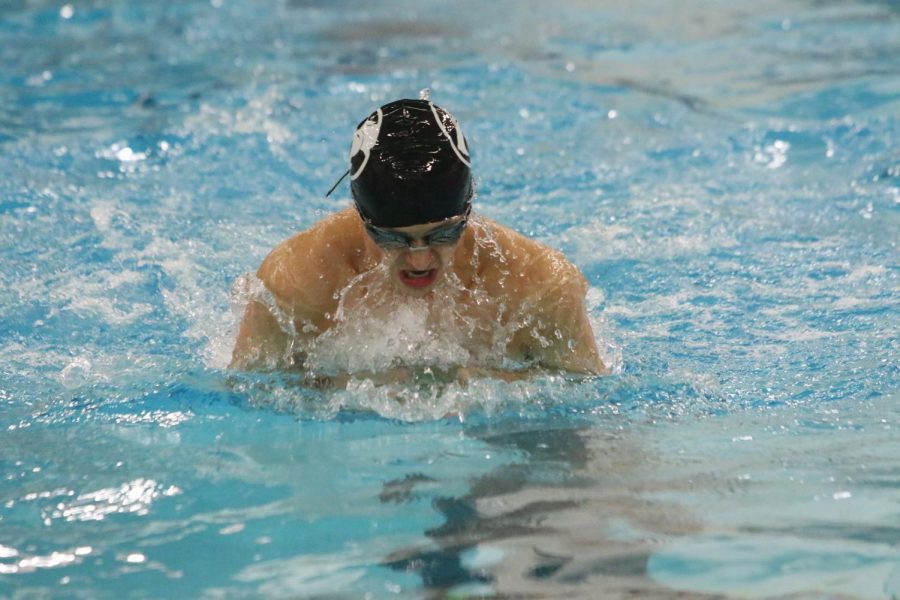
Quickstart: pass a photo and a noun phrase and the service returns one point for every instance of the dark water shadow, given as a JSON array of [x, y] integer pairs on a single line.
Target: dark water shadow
[[569, 520]]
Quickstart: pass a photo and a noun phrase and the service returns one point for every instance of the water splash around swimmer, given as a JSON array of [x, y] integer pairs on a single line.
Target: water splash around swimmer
[[401, 356]]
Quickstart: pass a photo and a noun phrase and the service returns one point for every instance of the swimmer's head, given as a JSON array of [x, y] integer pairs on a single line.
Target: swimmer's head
[[409, 164]]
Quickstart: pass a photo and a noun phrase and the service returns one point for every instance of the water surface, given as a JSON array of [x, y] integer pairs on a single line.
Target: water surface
[[726, 175]]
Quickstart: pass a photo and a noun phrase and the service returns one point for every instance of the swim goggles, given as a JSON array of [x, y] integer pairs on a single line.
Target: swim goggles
[[443, 235]]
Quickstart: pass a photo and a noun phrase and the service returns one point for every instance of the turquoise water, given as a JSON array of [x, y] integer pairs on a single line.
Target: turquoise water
[[727, 175]]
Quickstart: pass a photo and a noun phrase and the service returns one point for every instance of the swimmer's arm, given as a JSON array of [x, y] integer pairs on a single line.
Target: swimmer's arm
[[464, 375], [261, 343], [576, 351], [561, 336], [291, 273], [406, 376]]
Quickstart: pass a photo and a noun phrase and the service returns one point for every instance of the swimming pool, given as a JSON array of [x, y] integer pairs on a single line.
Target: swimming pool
[[726, 175]]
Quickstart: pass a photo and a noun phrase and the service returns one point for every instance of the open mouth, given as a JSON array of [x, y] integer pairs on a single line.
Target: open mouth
[[418, 279]]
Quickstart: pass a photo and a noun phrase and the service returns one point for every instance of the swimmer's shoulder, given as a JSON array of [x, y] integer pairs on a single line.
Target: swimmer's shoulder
[[534, 264], [310, 266]]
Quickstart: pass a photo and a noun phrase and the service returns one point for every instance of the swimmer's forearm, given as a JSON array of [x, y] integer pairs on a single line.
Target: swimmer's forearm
[[261, 344], [257, 355], [466, 374], [340, 381], [461, 375], [406, 375]]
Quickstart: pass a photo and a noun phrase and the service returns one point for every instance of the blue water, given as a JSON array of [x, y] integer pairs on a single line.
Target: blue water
[[727, 175]]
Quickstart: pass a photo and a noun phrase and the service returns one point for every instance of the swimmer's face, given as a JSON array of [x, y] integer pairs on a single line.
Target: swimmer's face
[[418, 255]]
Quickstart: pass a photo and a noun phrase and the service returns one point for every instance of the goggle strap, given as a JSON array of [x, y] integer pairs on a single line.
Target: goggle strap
[[334, 187]]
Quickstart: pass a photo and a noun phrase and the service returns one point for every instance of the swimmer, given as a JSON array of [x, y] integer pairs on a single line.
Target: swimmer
[[411, 236]]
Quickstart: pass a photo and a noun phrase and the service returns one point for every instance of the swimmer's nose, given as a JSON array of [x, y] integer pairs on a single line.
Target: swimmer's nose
[[418, 257]]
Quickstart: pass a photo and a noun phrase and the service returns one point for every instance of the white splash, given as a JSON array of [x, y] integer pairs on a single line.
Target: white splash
[[94, 295], [597, 239], [258, 116], [413, 333], [773, 155]]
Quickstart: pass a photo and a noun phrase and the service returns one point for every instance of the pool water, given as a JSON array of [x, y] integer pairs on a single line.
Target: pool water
[[726, 175]]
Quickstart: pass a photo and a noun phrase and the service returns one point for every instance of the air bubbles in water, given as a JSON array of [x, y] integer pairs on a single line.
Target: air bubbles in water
[[76, 373], [425, 94]]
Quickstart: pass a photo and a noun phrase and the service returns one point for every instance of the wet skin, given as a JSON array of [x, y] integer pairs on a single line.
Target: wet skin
[[518, 280]]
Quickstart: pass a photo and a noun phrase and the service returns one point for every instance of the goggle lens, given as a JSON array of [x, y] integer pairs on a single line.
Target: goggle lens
[[445, 235]]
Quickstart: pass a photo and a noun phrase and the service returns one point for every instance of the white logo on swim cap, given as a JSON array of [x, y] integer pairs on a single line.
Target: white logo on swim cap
[[461, 140], [364, 139], [460, 148]]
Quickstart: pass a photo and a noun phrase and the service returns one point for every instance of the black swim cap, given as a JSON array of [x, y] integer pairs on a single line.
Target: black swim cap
[[409, 164]]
